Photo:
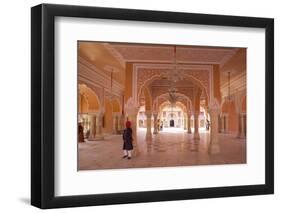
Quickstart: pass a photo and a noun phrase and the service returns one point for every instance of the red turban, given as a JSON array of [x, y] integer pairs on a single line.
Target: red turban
[[128, 124]]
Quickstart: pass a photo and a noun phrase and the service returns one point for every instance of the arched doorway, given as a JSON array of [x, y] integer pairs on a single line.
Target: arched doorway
[[229, 117], [88, 105], [172, 116], [116, 108], [108, 117], [244, 116]]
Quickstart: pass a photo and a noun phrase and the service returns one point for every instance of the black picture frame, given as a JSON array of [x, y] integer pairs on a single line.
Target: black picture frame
[[43, 105]]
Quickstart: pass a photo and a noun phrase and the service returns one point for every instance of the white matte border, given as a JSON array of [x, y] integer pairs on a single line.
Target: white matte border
[[70, 182]]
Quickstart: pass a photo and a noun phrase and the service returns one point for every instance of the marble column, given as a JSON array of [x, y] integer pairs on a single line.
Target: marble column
[[239, 126], [93, 127], [155, 130], [219, 123], [184, 123], [189, 123], [242, 122], [214, 146], [99, 132], [222, 123], [132, 117], [121, 122], [226, 124], [148, 124], [114, 129], [116, 124], [196, 135]]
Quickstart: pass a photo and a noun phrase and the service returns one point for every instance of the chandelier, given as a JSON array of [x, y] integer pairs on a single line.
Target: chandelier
[[174, 75], [229, 98], [172, 96], [112, 70]]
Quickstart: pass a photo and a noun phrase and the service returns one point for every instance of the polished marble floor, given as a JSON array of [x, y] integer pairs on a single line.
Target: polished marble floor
[[169, 148]]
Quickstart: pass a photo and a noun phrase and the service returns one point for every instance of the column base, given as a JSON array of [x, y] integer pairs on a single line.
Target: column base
[[91, 138], [196, 136], [98, 138], [189, 131], [155, 132], [148, 136], [214, 149], [242, 136], [194, 147]]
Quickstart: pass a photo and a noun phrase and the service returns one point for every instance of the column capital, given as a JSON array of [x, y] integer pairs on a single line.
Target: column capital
[[132, 110], [92, 113], [99, 114], [214, 106], [196, 113], [148, 113], [224, 114], [155, 113]]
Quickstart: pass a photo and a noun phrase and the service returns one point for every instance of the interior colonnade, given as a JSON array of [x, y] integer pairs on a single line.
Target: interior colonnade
[[208, 92]]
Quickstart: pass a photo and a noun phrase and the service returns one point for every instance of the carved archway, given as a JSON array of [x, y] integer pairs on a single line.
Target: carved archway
[[83, 105], [116, 106], [200, 75], [92, 98], [244, 104], [160, 75], [108, 116], [229, 108], [188, 101]]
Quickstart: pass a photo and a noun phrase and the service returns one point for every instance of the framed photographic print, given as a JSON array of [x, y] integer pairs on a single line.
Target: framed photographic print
[[139, 106]]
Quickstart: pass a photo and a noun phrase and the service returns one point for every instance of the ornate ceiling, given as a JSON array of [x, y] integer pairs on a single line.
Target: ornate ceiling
[[153, 60], [165, 54]]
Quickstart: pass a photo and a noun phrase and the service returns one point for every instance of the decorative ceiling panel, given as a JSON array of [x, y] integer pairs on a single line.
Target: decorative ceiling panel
[[165, 54]]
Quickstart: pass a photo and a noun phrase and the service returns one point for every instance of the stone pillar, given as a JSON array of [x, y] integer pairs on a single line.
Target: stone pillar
[[245, 124], [121, 123], [132, 116], [242, 122], [219, 123], [99, 133], [239, 126], [222, 123], [93, 127], [114, 129], [115, 124], [214, 146], [196, 135], [189, 123], [226, 123], [155, 130], [148, 124], [184, 123]]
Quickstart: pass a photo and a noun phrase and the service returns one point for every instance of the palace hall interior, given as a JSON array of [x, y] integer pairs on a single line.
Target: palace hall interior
[[186, 105]]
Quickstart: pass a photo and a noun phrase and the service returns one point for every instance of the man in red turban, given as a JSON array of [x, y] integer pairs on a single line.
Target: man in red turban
[[128, 124], [128, 141]]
